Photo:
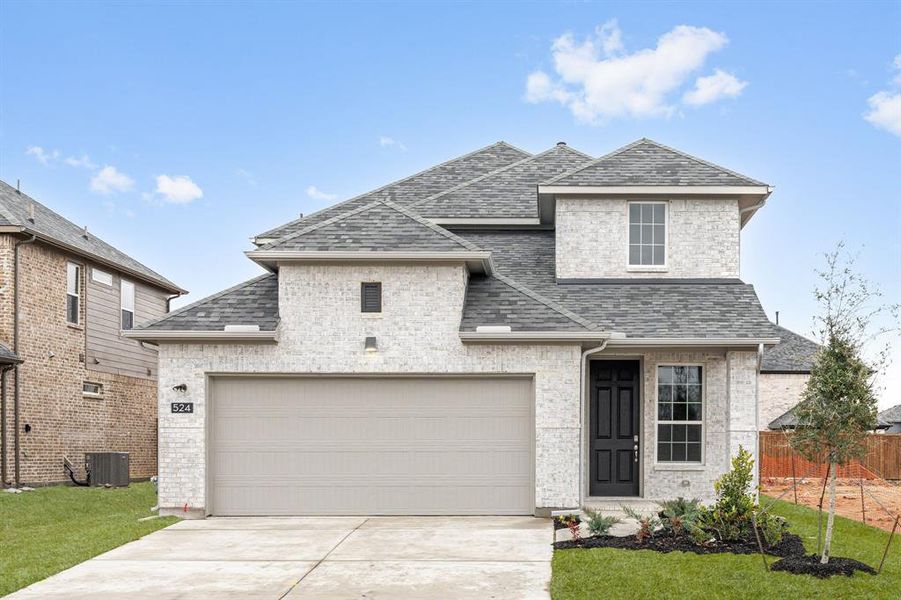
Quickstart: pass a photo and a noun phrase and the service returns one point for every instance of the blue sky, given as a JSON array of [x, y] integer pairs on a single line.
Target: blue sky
[[121, 115]]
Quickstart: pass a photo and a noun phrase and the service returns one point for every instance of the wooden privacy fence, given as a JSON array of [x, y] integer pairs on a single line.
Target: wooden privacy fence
[[883, 460]]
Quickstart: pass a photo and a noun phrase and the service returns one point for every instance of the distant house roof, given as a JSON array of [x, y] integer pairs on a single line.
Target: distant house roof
[[508, 192], [891, 415], [8, 357], [793, 354], [788, 420], [415, 187], [15, 214], [648, 163]]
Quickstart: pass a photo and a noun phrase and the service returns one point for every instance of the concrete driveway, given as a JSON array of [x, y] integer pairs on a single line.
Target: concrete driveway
[[325, 557]]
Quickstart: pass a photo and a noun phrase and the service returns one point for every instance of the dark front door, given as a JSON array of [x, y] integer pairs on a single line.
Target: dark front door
[[613, 433]]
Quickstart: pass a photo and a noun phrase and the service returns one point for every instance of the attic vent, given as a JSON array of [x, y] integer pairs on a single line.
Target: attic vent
[[371, 297]]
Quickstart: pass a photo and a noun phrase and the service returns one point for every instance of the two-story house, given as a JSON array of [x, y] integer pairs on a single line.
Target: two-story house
[[504, 333], [65, 298]]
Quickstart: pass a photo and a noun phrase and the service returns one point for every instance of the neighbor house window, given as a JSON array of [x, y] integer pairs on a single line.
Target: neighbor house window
[[127, 296], [73, 292], [371, 297], [647, 234], [680, 413], [92, 389]]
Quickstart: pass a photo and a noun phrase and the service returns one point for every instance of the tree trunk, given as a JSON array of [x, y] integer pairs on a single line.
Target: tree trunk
[[833, 472]]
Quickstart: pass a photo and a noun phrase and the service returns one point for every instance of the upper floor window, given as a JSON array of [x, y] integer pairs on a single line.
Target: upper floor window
[[371, 297], [127, 296], [73, 292], [647, 234], [680, 413]]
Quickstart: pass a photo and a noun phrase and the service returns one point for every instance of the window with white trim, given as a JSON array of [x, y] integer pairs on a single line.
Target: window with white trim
[[680, 413], [647, 234], [127, 297], [89, 388], [73, 292]]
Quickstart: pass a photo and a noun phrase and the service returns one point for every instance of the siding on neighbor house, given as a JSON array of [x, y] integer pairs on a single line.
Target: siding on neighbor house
[[107, 350], [592, 239]]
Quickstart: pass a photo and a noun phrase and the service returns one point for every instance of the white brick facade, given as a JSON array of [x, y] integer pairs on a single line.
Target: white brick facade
[[322, 331], [778, 393], [592, 239]]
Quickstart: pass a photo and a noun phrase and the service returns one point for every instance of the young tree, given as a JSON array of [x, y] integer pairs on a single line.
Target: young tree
[[838, 406]]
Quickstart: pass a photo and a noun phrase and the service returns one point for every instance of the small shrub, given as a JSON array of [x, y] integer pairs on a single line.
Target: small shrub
[[598, 524], [572, 523], [773, 527], [680, 516], [647, 524], [730, 516]]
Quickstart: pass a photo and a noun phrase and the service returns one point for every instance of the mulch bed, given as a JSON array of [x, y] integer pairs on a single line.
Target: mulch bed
[[810, 565], [791, 545]]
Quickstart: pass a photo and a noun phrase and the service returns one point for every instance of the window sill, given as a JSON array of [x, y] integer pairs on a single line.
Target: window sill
[[679, 467], [93, 396], [638, 269], [371, 315], [76, 326]]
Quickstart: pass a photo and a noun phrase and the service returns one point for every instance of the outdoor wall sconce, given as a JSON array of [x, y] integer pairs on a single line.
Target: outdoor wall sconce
[[181, 387], [371, 344]]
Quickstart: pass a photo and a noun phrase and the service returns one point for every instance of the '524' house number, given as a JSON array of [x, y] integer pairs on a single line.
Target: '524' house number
[[182, 407]]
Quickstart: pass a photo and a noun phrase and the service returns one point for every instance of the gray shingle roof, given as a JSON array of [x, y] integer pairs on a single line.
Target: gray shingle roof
[[509, 192], [14, 210], [7, 356], [254, 302], [421, 185], [646, 162], [891, 415], [379, 226], [638, 308], [788, 420], [793, 354]]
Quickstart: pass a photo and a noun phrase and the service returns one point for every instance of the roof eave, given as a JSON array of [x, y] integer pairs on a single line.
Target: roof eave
[[477, 261], [752, 342], [536, 337], [189, 336], [169, 287]]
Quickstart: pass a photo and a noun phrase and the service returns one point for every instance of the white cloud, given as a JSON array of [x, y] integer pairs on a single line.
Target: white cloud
[[178, 189], [389, 142], [885, 106], [83, 161], [598, 80], [316, 194], [42, 156], [714, 87], [109, 180]]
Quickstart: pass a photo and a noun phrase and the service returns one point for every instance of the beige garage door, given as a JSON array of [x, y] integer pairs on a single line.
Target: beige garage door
[[353, 445]]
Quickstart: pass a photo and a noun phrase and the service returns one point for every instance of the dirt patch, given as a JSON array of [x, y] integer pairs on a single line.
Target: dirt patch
[[847, 501], [790, 545], [810, 565]]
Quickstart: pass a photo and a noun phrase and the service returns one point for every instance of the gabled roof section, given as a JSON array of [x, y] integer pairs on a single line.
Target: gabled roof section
[[647, 163], [793, 354], [415, 187], [508, 192], [253, 302], [381, 226], [891, 415], [788, 420], [15, 212]]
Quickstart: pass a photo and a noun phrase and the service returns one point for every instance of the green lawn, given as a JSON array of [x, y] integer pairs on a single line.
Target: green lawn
[[610, 574], [50, 529]]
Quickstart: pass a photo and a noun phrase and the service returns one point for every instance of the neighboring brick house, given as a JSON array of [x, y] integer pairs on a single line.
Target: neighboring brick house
[[504, 333], [82, 386], [784, 372]]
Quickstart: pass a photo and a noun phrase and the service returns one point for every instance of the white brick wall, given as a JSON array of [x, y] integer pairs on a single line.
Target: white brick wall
[[322, 331], [592, 239], [778, 393]]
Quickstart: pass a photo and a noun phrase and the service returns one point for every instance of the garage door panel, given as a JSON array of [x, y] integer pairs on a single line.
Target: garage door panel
[[332, 445]]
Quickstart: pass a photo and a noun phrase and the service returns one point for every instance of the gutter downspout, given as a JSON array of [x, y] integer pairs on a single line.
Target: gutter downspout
[[16, 390], [3, 478], [757, 417], [583, 385]]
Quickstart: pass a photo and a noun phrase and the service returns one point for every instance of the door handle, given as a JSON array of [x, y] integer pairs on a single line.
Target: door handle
[[635, 449]]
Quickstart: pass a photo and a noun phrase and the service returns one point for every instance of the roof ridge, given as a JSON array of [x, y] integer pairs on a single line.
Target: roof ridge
[[541, 299], [196, 303], [392, 183], [702, 161], [460, 186], [315, 226], [593, 162], [432, 226]]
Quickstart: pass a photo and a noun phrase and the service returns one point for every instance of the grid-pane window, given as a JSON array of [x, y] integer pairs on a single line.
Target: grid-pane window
[[73, 292], [647, 233], [127, 296], [680, 413]]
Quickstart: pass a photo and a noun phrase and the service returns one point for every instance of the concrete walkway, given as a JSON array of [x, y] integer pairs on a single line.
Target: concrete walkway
[[327, 557]]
